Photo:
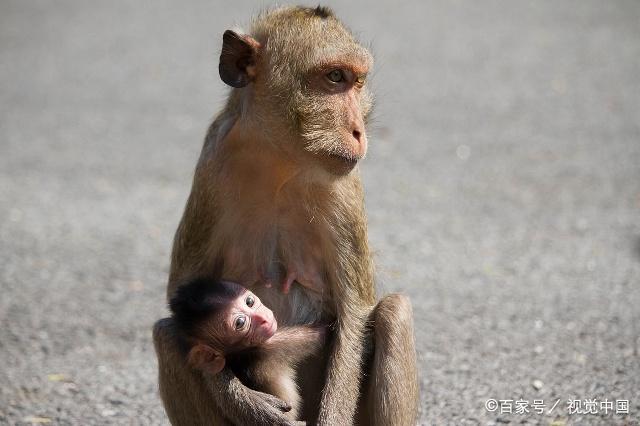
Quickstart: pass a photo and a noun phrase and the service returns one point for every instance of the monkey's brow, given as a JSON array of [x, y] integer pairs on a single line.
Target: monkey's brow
[[356, 68], [358, 61]]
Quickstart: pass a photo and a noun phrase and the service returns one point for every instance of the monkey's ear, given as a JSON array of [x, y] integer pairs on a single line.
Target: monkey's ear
[[238, 59], [205, 358]]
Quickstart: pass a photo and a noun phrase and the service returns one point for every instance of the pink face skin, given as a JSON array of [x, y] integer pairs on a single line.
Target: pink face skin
[[249, 321]]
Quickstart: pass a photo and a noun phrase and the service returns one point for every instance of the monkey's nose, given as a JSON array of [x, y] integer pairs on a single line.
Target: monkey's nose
[[261, 318], [357, 135]]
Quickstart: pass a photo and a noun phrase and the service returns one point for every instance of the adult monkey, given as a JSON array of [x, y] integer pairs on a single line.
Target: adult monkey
[[277, 206]]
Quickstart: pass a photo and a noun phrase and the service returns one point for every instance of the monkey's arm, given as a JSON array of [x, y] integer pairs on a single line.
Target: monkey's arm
[[354, 298], [245, 406], [295, 343], [344, 371]]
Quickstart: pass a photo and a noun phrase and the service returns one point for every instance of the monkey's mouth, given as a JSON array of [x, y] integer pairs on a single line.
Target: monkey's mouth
[[348, 161], [271, 329], [341, 165]]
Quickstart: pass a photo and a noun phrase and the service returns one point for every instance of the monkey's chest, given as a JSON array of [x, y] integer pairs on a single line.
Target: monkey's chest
[[284, 263], [278, 258]]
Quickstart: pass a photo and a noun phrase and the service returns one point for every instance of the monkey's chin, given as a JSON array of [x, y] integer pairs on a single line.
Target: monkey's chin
[[339, 164]]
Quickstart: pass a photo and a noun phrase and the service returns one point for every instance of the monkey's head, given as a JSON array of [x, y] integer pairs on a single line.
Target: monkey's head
[[303, 73], [218, 318]]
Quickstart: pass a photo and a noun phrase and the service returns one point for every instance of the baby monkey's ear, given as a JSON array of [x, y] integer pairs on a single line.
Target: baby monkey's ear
[[206, 359]]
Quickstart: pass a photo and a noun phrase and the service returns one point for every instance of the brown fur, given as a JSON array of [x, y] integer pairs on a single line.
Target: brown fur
[[275, 195], [271, 366]]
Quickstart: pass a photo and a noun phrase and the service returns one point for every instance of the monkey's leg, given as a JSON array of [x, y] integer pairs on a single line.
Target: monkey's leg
[[391, 389], [190, 398]]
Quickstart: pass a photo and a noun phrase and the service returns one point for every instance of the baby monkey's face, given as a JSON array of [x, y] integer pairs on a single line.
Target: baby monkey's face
[[249, 322]]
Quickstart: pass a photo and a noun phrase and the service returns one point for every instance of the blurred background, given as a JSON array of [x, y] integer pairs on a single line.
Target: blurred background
[[502, 185]]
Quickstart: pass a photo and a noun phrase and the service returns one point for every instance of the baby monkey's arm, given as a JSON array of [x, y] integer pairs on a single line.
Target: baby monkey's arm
[[296, 342]]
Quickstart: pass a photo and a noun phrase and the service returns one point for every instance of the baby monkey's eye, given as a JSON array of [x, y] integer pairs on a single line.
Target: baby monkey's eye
[[360, 80], [336, 76], [250, 301], [240, 322]]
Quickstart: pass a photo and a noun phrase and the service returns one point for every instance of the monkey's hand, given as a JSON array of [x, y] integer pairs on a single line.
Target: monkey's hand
[[279, 405], [244, 406]]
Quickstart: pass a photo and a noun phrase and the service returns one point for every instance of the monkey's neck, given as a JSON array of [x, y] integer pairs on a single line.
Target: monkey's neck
[[255, 163]]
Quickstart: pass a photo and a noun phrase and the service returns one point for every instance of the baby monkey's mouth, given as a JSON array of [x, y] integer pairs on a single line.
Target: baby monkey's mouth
[[271, 329]]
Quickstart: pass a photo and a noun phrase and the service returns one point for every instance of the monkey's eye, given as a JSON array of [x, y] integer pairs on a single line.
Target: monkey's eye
[[240, 322], [336, 76], [360, 81], [250, 301]]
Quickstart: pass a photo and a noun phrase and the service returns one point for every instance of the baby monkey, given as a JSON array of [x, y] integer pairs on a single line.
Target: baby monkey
[[223, 323]]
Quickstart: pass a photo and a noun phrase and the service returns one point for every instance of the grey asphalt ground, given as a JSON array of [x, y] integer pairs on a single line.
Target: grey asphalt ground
[[502, 185]]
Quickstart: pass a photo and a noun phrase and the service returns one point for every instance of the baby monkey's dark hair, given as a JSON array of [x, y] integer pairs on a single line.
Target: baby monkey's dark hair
[[197, 300]]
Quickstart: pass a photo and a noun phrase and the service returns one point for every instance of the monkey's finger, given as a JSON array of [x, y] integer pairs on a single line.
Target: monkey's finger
[[287, 422], [273, 401], [278, 404]]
